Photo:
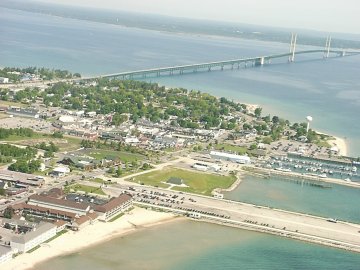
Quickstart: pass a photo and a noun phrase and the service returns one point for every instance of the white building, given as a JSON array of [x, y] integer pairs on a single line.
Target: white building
[[38, 235], [60, 171], [4, 80], [5, 254], [230, 157], [114, 207]]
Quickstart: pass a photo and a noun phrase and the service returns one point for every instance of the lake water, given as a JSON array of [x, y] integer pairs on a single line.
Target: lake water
[[328, 90], [189, 245], [337, 201]]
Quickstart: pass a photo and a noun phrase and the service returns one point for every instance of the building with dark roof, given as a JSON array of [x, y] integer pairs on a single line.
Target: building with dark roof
[[114, 207], [77, 208]]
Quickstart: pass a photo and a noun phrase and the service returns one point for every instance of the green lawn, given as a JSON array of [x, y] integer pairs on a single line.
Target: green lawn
[[14, 138], [233, 148], [201, 183], [73, 143], [84, 188], [124, 156], [10, 103]]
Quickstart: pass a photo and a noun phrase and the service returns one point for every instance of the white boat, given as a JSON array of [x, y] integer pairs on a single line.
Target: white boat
[[323, 175], [333, 220], [347, 179]]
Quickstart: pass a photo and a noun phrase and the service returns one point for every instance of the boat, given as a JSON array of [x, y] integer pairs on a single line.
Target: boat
[[323, 175], [333, 220], [347, 179]]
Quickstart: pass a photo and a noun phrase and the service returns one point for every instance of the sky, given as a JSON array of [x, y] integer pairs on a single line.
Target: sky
[[323, 15]]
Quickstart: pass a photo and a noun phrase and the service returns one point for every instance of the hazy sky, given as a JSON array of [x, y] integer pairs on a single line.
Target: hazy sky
[[324, 15]]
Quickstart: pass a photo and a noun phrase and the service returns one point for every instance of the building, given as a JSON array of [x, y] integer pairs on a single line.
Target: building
[[89, 163], [4, 80], [77, 208], [23, 112], [60, 171], [230, 157], [5, 253], [39, 234], [114, 207]]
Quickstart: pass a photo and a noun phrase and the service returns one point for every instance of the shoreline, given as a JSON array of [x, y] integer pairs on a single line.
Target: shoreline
[[341, 144], [91, 235]]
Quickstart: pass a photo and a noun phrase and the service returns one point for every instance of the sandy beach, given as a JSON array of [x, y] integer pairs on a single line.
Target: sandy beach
[[340, 143], [88, 236]]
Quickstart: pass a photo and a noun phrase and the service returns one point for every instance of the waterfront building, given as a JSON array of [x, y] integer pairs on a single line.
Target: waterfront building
[[79, 209], [230, 157], [114, 207], [39, 234], [5, 253]]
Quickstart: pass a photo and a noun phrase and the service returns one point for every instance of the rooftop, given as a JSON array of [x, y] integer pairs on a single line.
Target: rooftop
[[39, 198], [113, 203]]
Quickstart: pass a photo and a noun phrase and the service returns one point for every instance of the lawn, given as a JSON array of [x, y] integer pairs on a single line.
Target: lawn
[[124, 156], [4, 103], [84, 188], [14, 138], [232, 148], [201, 183], [72, 143]]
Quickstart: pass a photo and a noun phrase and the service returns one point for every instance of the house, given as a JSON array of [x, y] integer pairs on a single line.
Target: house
[[33, 238], [4, 80], [89, 163], [60, 171], [114, 207]]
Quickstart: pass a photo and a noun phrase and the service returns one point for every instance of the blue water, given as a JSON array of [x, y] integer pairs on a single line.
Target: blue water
[[327, 90], [336, 202], [188, 245]]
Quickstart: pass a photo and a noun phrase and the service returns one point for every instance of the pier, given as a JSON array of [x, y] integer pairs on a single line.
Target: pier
[[344, 235]]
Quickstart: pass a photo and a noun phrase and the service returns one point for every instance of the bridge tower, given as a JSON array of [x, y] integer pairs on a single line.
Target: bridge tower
[[292, 47], [327, 47]]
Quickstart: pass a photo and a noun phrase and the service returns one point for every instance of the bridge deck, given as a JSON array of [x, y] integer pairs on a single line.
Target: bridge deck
[[259, 60]]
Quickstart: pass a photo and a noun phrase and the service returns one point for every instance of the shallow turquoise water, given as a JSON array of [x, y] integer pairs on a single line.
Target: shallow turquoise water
[[194, 245], [337, 202]]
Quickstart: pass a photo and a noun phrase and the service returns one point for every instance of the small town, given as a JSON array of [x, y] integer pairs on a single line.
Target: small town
[[75, 153]]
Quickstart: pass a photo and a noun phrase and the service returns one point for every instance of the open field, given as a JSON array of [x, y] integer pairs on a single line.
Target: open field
[[4, 103], [201, 183], [84, 188], [232, 148], [124, 156]]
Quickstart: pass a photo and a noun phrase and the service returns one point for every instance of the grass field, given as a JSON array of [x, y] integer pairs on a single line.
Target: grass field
[[124, 156], [10, 103], [201, 183], [73, 143], [15, 138], [84, 188], [233, 148]]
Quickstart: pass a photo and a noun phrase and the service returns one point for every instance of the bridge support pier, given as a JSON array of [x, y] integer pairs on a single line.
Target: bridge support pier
[[259, 61], [209, 69], [222, 67]]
